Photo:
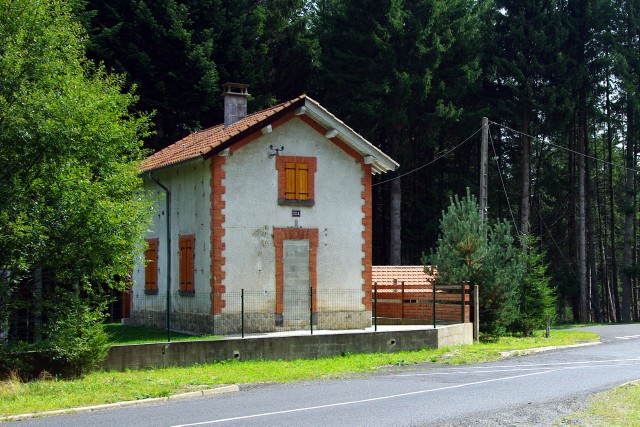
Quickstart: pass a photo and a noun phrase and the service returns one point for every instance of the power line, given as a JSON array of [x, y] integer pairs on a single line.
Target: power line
[[597, 159], [504, 188], [446, 153]]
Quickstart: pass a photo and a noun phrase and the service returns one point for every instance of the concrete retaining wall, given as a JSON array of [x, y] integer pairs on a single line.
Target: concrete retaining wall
[[187, 353]]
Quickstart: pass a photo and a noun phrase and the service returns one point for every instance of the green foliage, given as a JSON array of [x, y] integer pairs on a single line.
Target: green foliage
[[480, 254], [401, 75], [515, 291], [70, 205], [109, 386], [536, 297], [76, 332], [154, 44], [70, 147], [178, 52], [462, 246]]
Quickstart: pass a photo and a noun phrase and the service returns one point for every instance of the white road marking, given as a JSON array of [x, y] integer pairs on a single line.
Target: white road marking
[[542, 368], [523, 367], [353, 402], [628, 337]]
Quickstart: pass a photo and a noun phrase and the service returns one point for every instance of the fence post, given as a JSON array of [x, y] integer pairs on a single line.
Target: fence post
[[434, 304], [242, 311], [402, 304], [548, 331], [476, 313], [462, 303], [311, 308], [375, 306]]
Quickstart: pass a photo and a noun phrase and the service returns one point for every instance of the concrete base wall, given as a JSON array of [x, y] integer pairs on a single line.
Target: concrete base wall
[[224, 324], [187, 353]]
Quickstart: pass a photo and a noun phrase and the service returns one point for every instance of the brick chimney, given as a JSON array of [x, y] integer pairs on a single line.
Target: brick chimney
[[235, 102]]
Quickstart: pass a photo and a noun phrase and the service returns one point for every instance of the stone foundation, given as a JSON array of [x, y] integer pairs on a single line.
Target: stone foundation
[[231, 324]]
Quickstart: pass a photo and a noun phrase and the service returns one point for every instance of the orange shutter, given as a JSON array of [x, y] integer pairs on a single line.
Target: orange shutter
[[151, 265], [290, 189], [302, 170], [186, 263]]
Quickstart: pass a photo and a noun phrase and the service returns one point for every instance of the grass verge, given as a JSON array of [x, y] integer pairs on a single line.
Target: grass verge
[[108, 387], [617, 407], [120, 334]]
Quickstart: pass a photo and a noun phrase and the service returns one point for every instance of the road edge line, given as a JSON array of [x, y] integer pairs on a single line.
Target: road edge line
[[200, 393]]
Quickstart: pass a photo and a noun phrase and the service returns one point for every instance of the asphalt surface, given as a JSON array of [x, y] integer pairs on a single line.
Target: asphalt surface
[[526, 390]]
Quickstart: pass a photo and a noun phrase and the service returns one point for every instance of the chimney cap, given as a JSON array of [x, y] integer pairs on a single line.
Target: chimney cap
[[235, 89]]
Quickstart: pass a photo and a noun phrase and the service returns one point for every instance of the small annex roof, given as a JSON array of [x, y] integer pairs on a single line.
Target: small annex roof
[[207, 142], [409, 274]]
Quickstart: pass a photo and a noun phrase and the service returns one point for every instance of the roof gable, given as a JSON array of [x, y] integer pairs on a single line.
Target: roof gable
[[207, 142]]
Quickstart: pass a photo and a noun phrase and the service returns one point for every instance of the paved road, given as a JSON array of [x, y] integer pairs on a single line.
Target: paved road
[[403, 396]]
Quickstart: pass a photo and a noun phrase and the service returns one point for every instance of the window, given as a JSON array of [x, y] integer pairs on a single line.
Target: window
[[296, 177], [151, 267], [186, 263], [296, 180]]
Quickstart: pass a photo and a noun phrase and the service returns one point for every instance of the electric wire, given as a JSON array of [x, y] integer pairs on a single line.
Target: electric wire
[[504, 188], [438, 157], [564, 258], [597, 159]]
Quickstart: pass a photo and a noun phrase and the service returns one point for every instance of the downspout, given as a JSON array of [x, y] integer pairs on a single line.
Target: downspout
[[168, 209]]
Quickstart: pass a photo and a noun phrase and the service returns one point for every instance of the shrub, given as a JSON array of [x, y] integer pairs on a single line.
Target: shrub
[[76, 335]]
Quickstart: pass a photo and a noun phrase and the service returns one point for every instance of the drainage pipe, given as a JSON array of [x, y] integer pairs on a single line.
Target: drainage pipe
[[168, 210]]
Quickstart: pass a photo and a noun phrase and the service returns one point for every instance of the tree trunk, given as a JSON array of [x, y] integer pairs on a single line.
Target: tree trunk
[[582, 229], [613, 283], [572, 225], [628, 216], [395, 202], [593, 270], [37, 304], [525, 202], [395, 227]]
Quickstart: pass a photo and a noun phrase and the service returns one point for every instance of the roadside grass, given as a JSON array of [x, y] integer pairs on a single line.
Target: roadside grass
[[120, 334], [107, 387], [617, 407]]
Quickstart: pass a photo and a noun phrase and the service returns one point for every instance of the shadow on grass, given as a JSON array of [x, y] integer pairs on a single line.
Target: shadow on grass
[[127, 334]]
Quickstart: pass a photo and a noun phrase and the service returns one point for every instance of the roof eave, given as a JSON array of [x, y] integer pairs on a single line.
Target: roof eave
[[173, 165], [380, 162], [257, 127]]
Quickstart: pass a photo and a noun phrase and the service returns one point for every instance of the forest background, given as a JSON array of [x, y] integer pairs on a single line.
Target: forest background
[[558, 80]]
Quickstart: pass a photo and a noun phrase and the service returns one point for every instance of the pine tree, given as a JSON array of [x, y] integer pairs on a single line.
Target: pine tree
[[536, 297], [484, 255], [154, 44], [383, 72]]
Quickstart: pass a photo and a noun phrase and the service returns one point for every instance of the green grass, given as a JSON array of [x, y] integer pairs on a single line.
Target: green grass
[[107, 387], [617, 407], [120, 334]]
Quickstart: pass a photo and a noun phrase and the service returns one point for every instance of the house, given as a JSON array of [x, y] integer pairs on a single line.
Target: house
[[268, 216]]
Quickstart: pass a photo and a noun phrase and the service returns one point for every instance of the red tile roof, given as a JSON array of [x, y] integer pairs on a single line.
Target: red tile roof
[[409, 274], [203, 142]]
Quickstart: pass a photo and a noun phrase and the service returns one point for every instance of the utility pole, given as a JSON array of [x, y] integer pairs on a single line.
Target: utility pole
[[484, 163]]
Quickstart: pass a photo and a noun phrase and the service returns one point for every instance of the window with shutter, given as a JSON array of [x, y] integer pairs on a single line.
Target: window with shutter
[[187, 244], [151, 267], [296, 180]]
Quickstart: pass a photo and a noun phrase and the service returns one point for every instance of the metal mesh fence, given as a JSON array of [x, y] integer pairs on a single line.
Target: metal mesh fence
[[253, 312], [236, 313]]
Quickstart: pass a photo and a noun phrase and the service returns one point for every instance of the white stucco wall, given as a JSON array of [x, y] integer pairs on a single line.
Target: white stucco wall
[[252, 211], [190, 188]]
